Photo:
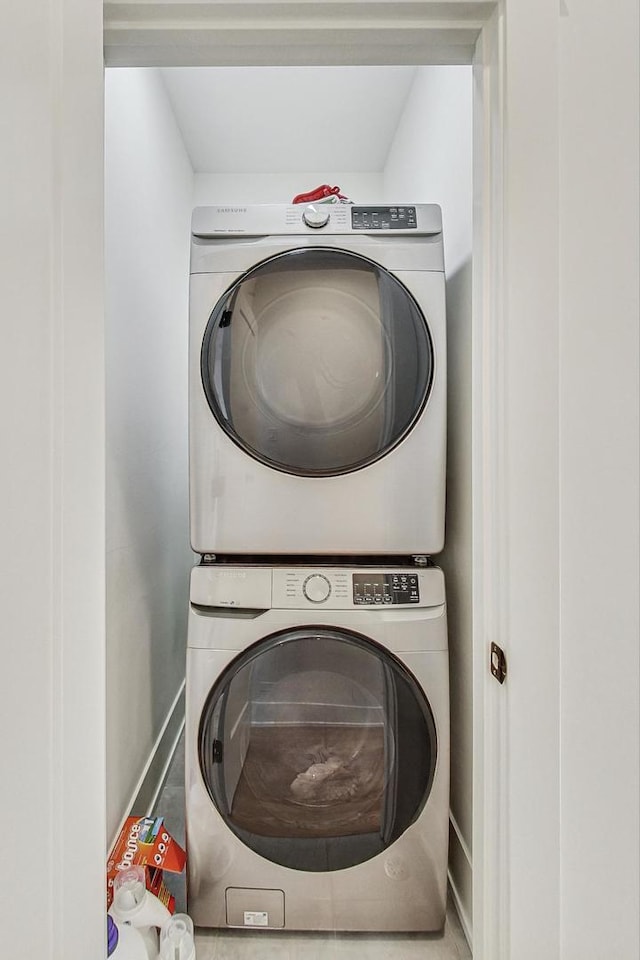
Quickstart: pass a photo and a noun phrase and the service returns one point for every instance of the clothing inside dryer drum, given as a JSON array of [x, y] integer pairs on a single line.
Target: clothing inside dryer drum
[[317, 362], [318, 749]]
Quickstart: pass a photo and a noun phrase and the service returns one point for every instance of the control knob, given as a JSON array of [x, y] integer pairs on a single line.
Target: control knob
[[316, 588], [316, 216]]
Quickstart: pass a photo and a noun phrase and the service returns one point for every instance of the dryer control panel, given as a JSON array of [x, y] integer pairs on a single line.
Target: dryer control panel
[[383, 218], [317, 219]]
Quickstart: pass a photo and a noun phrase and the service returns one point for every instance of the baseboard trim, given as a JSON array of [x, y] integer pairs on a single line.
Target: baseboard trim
[[146, 792], [465, 867], [461, 840], [465, 920], [172, 738]]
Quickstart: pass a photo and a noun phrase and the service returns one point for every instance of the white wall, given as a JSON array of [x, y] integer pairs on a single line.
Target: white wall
[[149, 190], [599, 457], [212, 188], [52, 482], [526, 618], [430, 161], [430, 157]]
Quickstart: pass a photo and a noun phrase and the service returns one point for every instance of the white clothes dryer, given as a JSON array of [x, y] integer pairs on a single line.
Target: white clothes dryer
[[317, 748], [317, 380]]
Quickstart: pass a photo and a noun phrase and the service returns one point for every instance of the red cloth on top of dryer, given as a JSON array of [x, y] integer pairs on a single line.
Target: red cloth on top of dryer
[[319, 193]]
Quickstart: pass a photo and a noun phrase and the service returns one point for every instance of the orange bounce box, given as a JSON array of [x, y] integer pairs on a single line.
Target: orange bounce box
[[145, 841]]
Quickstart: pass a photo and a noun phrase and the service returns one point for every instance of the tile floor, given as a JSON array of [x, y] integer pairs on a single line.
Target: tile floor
[[245, 945]]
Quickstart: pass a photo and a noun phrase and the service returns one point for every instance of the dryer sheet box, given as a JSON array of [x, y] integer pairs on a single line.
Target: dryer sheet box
[[147, 842]]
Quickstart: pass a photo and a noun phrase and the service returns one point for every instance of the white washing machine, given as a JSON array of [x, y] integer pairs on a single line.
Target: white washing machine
[[317, 380], [317, 748]]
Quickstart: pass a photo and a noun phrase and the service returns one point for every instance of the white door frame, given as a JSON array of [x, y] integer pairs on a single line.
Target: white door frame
[[514, 423], [515, 429], [515, 370]]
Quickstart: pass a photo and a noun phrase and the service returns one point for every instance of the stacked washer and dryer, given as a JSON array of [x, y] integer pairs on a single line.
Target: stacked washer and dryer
[[317, 732]]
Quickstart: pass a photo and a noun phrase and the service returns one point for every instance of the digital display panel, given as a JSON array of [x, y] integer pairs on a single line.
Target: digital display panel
[[383, 218], [385, 588]]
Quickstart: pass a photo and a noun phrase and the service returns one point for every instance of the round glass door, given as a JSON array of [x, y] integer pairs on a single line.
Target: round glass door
[[318, 748], [317, 362]]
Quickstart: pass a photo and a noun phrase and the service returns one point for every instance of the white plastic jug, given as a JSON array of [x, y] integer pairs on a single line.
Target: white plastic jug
[[133, 904], [124, 942], [176, 939]]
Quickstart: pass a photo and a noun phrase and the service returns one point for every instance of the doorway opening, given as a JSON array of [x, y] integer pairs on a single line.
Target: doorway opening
[[183, 137]]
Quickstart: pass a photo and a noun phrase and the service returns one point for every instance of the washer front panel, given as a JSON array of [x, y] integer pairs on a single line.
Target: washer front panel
[[318, 748], [401, 889]]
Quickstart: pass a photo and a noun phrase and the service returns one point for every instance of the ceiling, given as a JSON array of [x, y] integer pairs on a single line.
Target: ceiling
[[288, 119]]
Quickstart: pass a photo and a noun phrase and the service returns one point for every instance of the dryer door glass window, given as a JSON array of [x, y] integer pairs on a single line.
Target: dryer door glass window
[[317, 362], [318, 748]]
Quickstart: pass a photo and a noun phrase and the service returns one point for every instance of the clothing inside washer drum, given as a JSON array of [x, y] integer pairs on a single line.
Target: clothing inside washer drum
[[340, 791], [317, 747]]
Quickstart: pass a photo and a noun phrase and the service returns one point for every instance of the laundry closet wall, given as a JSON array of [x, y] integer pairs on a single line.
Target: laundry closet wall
[[212, 188], [430, 161], [149, 193]]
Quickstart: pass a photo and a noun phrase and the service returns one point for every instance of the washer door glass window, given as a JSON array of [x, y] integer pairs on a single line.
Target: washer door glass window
[[318, 748], [317, 362]]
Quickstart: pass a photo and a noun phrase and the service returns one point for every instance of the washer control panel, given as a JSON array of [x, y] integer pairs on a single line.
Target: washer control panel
[[381, 588], [337, 588]]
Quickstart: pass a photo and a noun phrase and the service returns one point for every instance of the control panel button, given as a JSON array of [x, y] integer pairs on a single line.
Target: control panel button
[[316, 588], [316, 217]]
